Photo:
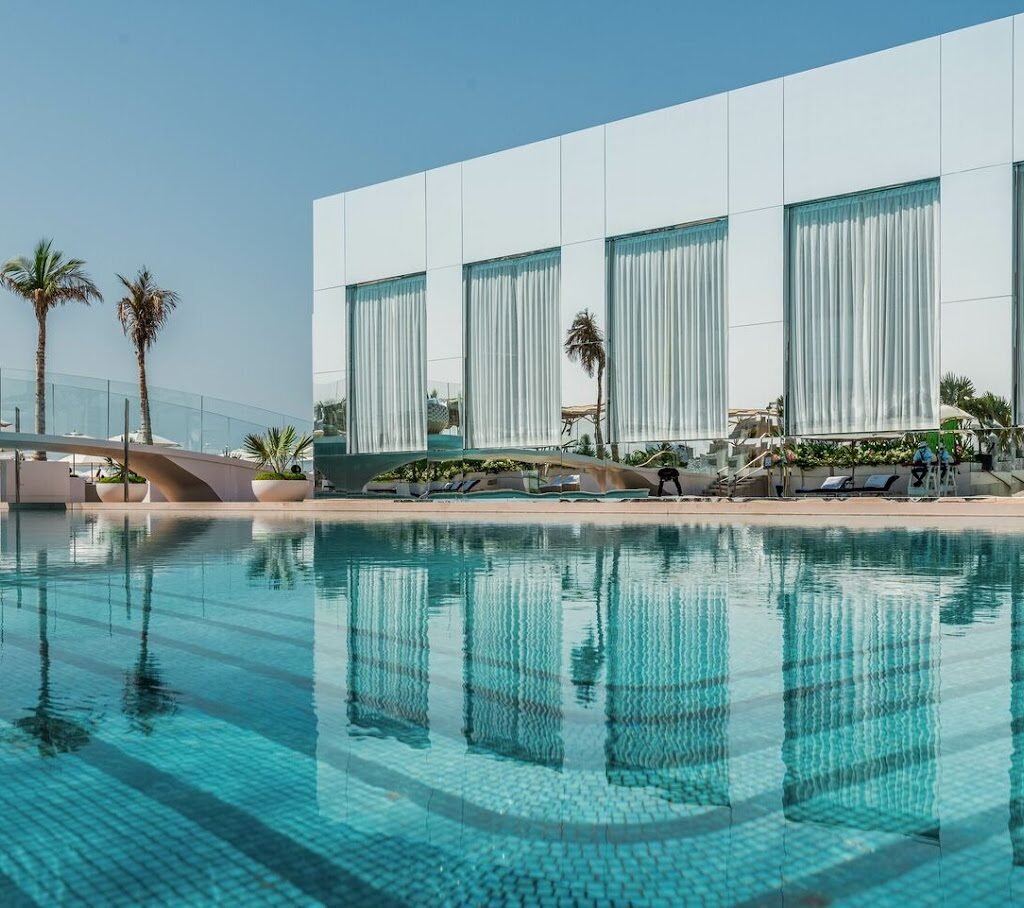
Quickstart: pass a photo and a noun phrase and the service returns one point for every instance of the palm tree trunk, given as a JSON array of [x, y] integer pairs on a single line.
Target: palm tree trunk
[[147, 426], [40, 378], [598, 436]]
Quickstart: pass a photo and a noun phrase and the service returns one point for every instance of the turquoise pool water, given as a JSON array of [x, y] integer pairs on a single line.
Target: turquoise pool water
[[251, 712]]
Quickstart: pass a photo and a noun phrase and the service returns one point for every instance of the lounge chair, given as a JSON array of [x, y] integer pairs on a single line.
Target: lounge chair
[[876, 484], [833, 485], [559, 484]]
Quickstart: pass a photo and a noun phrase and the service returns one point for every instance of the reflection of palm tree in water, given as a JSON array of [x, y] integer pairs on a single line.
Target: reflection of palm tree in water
[[146, 697], [53, 732], [278, 560], [587, 659]]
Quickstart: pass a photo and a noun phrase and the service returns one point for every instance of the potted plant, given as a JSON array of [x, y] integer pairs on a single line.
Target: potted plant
[[110, 488], [276, 453]]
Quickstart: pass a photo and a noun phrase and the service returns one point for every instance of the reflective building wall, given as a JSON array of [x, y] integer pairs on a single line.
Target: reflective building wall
[[942, 109]]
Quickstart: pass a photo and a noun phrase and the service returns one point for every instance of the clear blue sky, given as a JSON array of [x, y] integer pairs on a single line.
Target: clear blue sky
[[193, 136]]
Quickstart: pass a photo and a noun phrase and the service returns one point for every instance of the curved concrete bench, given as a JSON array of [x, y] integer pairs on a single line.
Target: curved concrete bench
[[180, 475]]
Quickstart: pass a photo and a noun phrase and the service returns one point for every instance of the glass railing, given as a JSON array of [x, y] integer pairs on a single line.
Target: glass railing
[[76, 405]]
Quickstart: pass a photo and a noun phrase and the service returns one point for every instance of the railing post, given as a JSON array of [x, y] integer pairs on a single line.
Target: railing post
[[127, 473], [17, 458]]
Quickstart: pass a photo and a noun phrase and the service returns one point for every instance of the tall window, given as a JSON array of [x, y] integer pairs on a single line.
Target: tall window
[[862, 313], [387, 366], [513, 380], [667, 338]]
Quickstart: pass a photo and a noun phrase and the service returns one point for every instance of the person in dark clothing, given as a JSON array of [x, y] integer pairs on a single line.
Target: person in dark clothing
[[668, 474]]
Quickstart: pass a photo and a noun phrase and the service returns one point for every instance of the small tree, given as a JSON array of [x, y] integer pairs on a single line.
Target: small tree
[[277, 449], [143, 312], [584, 344], [47, 280], [956, 391], [584, 446]]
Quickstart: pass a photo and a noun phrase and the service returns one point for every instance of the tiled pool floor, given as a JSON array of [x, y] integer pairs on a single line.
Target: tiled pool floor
[[248, 712]]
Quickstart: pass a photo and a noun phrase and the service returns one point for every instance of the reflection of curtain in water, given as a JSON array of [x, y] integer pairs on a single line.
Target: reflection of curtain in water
[[389, 652], [1017, 727], [861, 713], [513, 664], [668, 696]]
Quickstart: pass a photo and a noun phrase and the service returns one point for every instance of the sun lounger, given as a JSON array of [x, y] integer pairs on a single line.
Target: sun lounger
[[833, 485], [876, 484], [560, 484]]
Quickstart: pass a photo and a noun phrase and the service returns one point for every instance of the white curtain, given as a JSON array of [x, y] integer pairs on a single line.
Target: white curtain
[[387, 366], [667, 338], [863, 313], [513, 382]]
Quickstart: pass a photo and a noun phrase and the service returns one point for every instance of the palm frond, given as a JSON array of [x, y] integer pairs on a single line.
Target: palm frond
[[145, 309], [584, 343], [277, 448], [48, 279]]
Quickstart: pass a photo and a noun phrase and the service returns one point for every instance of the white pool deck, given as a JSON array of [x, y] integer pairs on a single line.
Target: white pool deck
[[973, 513]]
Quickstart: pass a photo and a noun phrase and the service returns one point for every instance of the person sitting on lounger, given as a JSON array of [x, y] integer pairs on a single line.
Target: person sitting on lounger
[[668, 474], [923, 458]]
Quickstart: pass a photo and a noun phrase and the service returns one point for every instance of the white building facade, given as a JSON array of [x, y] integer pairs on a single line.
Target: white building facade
[[841, 237]]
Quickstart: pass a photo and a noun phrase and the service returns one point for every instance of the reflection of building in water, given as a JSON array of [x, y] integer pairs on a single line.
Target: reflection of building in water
[[513, 652], [1017, 729], [861, 712], [668, 696], [389, 652]]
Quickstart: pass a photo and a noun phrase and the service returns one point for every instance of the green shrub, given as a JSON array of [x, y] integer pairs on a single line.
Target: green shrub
[[270, 474], [133, 479], [120, 474]]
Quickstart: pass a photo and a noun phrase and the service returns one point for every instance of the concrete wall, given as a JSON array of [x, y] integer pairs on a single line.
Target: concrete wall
[[944, 107]]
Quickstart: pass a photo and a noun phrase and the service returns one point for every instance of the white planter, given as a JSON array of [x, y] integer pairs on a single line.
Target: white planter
[[281, 489], [113, 492]]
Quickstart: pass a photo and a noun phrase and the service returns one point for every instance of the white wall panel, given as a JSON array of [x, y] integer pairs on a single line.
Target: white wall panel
[[329, 330], [755, 146], [444, 216], [1018, 88], [864, 123], [977, 96], [583, 185], [976, 252], [583, 287], [977, 341], [445, 375], [329, 242], [444, 312], [755, 364], [756, 262], [511, 202], [385, 230], [668, 167]]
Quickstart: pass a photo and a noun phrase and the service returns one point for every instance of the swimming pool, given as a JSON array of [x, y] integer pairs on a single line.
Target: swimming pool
[[266, 711]]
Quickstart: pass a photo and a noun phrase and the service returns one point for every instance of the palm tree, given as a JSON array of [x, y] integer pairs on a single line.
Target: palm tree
[[956, 390], [143, 312], [277, 448], [992, 410], [584, 344], [47, 280]]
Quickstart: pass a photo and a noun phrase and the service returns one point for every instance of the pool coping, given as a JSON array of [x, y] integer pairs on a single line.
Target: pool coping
[[983, 513]]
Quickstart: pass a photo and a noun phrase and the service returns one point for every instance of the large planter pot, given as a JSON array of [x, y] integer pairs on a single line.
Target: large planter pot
[[113, 492], [281, 489]]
